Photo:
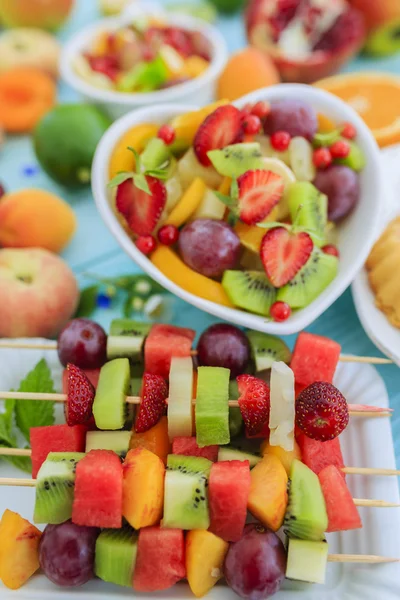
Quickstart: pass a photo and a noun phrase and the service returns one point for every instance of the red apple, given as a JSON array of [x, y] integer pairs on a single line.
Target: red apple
[[307, 40], [44, 14]]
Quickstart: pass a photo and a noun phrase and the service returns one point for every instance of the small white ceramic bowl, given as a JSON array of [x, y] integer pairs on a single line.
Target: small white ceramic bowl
[[355, 235], [200, 90]]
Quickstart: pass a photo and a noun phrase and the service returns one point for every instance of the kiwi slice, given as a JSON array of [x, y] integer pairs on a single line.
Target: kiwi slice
[[228, 453], [309, 208], [115, 555], [355, 159], [306, 516], [250, 290], [55, 487], [155, 154], [306, 561], [232, 161], [117, 441], [267, 349], [212, 411], [318, 272], [185, 493], [385, 40], [112, 389], [126, 339]]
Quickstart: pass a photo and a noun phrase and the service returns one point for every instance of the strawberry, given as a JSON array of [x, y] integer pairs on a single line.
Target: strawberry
[[107, 65], [254, 403], [141, 210], [221, 128], [283, 253], [80, 397], [322, 412], [152, 406], [259, 192]]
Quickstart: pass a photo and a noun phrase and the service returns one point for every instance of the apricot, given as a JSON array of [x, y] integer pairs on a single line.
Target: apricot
[[35, 13], [246, 71], [35, 218]]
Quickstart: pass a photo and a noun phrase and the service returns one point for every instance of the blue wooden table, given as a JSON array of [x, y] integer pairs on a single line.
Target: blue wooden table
[[94, 249]]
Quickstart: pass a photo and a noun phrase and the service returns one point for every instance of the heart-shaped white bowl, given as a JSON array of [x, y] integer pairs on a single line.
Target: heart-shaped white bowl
[[356, 233]]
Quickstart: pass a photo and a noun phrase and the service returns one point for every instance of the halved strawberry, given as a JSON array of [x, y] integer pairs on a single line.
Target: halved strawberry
[[254, 403], [283, 253], [107, 65], [218, 130], [80, 397], [141, 210], [259, 192], [152, 406]]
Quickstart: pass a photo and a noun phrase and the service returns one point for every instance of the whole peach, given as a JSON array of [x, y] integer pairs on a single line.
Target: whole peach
[[38, 293], [35, 219], [44, 14]]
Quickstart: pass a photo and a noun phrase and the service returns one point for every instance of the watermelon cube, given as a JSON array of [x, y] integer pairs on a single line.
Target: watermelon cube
[[55, 438], [98, 490], [160, 561], [164, 342], [318, 455], [314, 358], [342, 512], [188, 447], [228, 492]]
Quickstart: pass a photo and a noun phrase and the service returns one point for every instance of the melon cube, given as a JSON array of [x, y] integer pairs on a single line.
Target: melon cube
[[19, 550], [314, 358], [180, 409], [164, 342], [342, 512], [307, 561], [205, 555], [188, 446], [55, 438]]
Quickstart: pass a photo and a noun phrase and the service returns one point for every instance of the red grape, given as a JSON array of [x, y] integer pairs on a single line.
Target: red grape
[[292, 116], [255, 566], [83, 343], [342, 186], [209, 247], [66, 553], [223, 345]]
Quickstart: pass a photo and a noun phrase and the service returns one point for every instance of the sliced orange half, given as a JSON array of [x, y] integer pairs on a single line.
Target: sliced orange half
[[375, 96]]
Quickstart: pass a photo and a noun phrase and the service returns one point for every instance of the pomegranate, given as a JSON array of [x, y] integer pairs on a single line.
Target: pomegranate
[[307, 39]]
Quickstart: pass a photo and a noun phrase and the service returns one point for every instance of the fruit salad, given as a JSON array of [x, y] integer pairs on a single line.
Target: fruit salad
[[146, 56], [240, 206]]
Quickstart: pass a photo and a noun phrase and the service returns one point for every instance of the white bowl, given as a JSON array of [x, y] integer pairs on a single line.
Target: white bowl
[[356, 234], [200, 90]]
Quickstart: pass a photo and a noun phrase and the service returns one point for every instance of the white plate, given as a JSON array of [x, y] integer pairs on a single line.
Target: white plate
[[384, 335], [366, 443]]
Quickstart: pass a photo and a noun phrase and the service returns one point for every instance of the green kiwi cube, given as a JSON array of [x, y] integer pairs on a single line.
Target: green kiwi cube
[[307, 561], [212, 409], [355, 159], [155, 154], [115, 556], [309, 209], [228, 453], [55, 487], [126, 339], [112, 389], [235, 416], [185, 492], [249, 290], [234, 160], [306, 517], [117, 441], [267, 349]]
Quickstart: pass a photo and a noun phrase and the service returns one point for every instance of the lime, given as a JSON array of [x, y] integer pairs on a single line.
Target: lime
[[65, 141], [228, 6], [202, 10]]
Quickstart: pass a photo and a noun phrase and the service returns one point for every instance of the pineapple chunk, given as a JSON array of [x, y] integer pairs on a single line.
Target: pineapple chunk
[[180, 413], [189, 168], [210, 207], [282, 411]]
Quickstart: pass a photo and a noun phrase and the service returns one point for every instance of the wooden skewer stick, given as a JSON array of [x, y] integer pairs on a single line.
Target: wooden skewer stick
[[52, 345], [361, 558], [357, 410], [375, 503]]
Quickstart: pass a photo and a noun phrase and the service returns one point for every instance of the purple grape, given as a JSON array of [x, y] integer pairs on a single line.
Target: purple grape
[[294, 116], [83, 343], [209, 247], [66, 553], [2, 190], [342, 186], [223, 345], [255, 566]]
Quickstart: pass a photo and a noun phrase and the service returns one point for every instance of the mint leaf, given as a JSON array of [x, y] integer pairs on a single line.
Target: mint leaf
[[34, 413], [227, 200], [273, 224], [120, 178], [87, 301], [162, 174], [141, 183]]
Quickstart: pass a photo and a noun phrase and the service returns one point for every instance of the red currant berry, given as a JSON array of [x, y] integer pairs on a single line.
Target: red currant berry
[[340, 149], [322, 158], [251, 125], [280, 311], [146, 244], [167, 134], [331, 249], [349, 131], [280, 140], [245, 111], [2, 190], [261, 109], [168, 235]]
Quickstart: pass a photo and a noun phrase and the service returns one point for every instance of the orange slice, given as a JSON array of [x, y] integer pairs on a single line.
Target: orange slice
[[375, 96]]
